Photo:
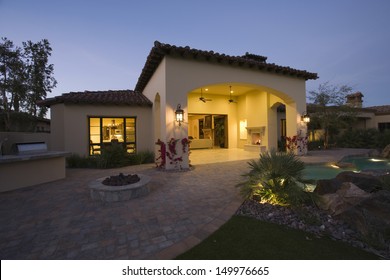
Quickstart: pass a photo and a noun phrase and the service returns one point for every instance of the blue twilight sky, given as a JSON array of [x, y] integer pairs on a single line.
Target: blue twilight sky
[[102, 44]]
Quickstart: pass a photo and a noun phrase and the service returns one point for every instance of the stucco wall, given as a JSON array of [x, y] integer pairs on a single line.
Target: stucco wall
[[155, 86], [70, 125], [175, 79], [57, 131], [22, 137], [381, 119], [183, 76]]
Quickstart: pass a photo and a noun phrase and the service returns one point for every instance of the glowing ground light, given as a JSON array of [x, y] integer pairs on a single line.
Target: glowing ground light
[[376, 159]]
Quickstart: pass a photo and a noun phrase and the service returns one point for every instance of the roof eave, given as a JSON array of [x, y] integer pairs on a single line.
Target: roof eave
[[159, 51]]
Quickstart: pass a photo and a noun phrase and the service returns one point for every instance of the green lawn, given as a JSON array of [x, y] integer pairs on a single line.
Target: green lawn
[[243, 238]]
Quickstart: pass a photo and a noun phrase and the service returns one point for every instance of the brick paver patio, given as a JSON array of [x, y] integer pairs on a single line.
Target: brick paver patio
[[59, 220]]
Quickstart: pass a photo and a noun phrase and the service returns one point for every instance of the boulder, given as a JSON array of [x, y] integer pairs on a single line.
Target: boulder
[[364, 181], [347, 196], [371, 218], [386, 152], [327, 186], [362, 200]]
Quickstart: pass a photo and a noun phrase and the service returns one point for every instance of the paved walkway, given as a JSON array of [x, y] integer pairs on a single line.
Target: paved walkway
[[58, 220]]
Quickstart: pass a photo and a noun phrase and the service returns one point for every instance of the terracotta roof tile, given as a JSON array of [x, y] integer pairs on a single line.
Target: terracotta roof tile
[[258, 62], [380, 110], [356, 94], [113, 97]]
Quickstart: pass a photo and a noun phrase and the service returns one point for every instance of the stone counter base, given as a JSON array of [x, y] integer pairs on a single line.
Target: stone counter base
[[100, 192]]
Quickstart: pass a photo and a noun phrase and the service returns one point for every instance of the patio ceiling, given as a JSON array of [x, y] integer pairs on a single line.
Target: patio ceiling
[[223, 89]]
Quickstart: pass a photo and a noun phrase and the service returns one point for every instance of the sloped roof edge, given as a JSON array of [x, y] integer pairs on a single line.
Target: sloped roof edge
[[112, 97], [160, 50]]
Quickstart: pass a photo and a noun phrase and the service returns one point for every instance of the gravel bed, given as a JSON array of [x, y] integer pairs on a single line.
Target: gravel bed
[[309, 219]]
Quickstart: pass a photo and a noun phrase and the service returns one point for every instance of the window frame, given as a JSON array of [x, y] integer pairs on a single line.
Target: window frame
[[98, 146]]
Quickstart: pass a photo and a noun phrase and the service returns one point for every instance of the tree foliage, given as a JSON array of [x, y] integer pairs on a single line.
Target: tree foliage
[[329, 110], [25, 77]]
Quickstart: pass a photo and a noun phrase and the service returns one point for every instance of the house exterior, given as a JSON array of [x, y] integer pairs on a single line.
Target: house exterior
[[377, 117], [373, 117], [84, 122], [369, 117], [227, 101]]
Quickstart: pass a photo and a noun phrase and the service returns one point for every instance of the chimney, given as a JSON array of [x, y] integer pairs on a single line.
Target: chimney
[[355, 100]]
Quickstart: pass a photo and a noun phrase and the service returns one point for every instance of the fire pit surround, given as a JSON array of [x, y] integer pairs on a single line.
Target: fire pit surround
[[119, 187]]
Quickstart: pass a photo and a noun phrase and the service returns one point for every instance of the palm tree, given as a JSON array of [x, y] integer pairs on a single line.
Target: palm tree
[[276, 178]]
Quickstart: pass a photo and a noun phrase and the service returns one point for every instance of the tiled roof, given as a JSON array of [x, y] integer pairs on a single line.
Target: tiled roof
[[380, 110], [113, 97], [356, 94], [252, 61]]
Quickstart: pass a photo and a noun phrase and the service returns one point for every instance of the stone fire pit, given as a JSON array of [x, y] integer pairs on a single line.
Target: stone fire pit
[[119, 188]]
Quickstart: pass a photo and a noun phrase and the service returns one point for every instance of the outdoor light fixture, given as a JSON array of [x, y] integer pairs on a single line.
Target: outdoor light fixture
[[305, 117], [179, 113]]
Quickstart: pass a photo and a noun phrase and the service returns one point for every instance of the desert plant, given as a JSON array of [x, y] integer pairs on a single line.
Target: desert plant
[[276, 178], [77, 161]]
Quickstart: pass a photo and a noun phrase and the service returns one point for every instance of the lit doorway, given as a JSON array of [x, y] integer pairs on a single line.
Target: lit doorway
[[221, 131], [208, 131]]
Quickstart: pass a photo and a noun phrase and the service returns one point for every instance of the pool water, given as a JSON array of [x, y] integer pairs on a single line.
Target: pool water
[[328, 171], [367, 162]]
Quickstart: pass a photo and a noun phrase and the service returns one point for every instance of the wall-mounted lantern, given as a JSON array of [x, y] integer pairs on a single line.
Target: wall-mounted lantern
[[305, 117], [179, 114]]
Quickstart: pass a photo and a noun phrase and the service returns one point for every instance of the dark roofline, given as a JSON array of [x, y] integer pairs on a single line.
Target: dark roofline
[[376, 110], [380, 109], [112, 97], [160, 50]]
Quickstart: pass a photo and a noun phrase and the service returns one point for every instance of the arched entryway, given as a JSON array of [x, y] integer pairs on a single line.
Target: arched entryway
[[250, 115]]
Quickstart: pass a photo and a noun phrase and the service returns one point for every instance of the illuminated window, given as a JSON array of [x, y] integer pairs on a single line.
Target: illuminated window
[[104, 131]]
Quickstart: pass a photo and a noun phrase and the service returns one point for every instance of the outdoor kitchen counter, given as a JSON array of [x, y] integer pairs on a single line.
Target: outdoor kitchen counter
[[18, 171], [34, 156]]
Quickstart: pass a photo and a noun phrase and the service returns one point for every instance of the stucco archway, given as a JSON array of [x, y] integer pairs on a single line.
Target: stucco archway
[[251, 110], [179, 81]]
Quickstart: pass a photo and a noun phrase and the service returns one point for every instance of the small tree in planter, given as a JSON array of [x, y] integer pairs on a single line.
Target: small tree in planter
[[220, 134]]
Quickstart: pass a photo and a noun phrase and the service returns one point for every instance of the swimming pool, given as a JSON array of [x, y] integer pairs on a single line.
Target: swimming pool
[[358, 163]]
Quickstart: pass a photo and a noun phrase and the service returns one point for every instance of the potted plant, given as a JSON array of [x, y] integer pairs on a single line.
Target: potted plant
[[220, 134]]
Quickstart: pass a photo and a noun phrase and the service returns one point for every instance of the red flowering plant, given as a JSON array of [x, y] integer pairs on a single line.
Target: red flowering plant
[[302, 144], [185, 142], [161, 160], [291, 143], [297, 143], [170, 151]]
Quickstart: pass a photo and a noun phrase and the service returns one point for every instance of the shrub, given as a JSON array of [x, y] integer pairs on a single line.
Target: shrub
[[76, 161], [315, 145], [276, 178], [111, 157], [140, 158], [383, 139], [364, 138], [146, 157]]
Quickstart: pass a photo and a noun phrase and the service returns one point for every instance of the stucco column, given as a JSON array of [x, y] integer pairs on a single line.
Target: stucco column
[[296, 131], [175, 149]]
